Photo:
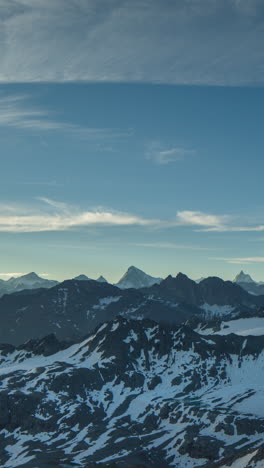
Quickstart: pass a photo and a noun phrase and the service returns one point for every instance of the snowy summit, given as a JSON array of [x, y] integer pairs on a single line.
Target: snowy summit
[[136, 278], [243, 278]]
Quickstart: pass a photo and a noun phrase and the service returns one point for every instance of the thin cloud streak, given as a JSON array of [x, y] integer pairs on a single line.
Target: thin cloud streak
[[16, 111], [172, 245], [214, 223], [240, 260], [156, 153]]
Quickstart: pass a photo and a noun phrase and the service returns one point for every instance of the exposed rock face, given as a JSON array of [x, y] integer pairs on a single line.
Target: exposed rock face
[[133, 394]]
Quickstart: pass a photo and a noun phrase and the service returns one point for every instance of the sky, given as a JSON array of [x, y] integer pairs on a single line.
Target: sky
[[131, 134]]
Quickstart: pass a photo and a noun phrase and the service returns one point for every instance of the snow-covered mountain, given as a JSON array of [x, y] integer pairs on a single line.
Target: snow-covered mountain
[[133, 394], [243, 278], [246, 282], [136, 278], [29, 281]]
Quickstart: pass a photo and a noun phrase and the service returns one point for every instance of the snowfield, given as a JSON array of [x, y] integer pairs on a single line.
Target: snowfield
[[243, 327], [181, 398]]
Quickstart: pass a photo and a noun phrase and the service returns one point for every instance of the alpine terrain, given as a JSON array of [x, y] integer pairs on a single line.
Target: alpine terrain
[[166, 375]]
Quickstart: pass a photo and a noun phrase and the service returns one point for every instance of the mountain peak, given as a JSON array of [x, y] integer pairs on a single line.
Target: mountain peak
[[243, 278], [136, 278], [32, 276], [102, 279], [182, 276], [81, 278]]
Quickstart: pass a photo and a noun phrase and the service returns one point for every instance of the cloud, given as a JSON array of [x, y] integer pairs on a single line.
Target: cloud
[[51, 215], [198, 218], [206, 42], [156, 153], [56, 216], [172, 245], [17, 111], [241, 260], [216, 223]]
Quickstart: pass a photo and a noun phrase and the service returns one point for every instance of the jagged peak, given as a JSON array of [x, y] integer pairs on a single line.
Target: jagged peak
[[243, 278]]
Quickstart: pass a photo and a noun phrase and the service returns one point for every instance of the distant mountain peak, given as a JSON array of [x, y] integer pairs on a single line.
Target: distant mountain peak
[[102, 279], [182, 276], [32, 275], [81, 278], [136, 278], [243, 278], [29, 281]]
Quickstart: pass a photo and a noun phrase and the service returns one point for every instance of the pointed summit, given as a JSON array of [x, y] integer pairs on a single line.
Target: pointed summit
[[243, 278], [136, 278], [81, 278], [101, 279]]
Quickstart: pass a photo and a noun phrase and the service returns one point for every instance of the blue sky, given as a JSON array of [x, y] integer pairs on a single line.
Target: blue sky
[[119, 155]]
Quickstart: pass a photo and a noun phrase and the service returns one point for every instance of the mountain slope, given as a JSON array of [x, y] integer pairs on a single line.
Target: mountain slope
[[134, 392], [136, 278], [70, 310]]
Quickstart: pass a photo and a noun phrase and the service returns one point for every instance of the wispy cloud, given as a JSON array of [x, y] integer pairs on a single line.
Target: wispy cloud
[[157, 153], [51, 215], [18, 112], [198, 218], [240, 260], [172, 245], [181, 42], [205, 222], [59, 216]]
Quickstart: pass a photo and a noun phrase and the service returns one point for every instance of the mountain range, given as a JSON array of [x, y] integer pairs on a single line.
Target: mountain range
[[132, 278], [165, 374], [74, 308]]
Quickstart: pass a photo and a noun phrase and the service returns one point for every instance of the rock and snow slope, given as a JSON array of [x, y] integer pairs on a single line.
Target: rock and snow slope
[[244, 327], [134, 392]]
